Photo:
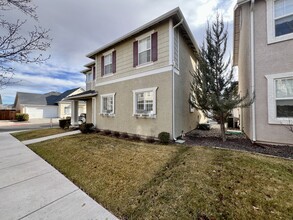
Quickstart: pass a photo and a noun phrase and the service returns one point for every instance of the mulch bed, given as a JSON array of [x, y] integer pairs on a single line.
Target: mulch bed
[[211, 138]]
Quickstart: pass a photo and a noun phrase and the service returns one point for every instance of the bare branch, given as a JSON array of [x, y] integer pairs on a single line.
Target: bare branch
[[17, 47]]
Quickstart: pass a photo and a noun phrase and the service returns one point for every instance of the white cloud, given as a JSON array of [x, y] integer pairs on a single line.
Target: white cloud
[[79, 27]]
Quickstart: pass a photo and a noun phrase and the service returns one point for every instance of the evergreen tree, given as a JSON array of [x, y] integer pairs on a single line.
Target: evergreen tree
[[213, 89]]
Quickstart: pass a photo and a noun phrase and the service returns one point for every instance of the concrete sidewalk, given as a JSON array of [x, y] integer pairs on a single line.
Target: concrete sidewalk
[[32, 141], [30, 188]]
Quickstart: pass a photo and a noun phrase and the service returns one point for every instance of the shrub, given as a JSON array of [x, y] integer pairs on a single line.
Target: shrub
[[107, 132], [22, 117], [86, 128], [164, 137], [150, 139], [136, 137], [124, 135], [64, 123], [116, 134], [98, 130], [204, 126]]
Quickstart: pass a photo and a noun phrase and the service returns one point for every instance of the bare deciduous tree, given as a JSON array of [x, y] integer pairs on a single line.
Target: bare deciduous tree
[[15, 46]]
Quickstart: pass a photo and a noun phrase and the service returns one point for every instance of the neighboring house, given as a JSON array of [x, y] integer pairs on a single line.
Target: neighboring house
[[140, 83], [49, 105], [64, 106], [263, 52]]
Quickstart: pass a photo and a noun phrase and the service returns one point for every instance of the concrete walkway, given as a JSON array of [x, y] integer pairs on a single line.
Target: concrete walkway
[[30, 188], [32, 141]]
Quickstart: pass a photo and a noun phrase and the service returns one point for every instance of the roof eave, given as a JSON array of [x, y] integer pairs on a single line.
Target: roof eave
[[88, 65], [136, 31]]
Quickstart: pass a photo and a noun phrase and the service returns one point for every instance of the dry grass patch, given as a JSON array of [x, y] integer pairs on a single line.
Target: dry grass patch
[[110, 170], [144, 181], [28, 135]]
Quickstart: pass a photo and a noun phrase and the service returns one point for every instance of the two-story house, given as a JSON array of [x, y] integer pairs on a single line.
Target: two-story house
[[140, 83], [263, 52]]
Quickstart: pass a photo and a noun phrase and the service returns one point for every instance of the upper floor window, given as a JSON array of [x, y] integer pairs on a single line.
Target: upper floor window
[[107, 104], [144, 101], [280, 98], [145, 49], [89, 77], [108, 63], [279, 20], [283, 16]]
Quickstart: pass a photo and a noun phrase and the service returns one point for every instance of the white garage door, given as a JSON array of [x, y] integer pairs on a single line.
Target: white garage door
[[42, 111]]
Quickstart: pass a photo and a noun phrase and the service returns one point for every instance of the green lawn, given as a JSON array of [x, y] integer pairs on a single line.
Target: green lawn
[[28, 135], [144, 181]]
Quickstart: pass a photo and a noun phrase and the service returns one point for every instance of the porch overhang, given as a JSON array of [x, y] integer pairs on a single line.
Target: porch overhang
[[82, 96]]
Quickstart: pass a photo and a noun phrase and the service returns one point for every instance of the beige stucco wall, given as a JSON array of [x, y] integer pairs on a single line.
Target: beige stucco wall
[[124, 55], [124, 121], [184, 119], [269, 59], [244, 68]]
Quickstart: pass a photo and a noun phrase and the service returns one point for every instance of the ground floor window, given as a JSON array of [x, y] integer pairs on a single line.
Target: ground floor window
[[284, 97], [280, 98], [108, 104], [67, 110], [144, 101]]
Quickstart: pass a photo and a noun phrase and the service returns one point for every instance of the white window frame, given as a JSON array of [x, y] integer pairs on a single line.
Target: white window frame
[[102, 103], [67, 110], [271, 25], [272, 110], [140, 38], [108, 64], [154, 113], [89, 77]]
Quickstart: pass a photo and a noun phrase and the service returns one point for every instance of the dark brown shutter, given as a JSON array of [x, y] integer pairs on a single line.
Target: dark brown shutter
[[102, 66], [155, 46], [94, 72], [114, 61], [135, 53]]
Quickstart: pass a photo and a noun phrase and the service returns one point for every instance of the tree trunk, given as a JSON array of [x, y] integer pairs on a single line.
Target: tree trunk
[[223, 129]]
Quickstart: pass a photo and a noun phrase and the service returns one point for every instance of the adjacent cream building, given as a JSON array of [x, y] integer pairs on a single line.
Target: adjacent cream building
[[263, 52]]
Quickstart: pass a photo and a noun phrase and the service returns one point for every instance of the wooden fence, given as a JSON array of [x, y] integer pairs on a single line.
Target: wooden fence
[[8, 114]]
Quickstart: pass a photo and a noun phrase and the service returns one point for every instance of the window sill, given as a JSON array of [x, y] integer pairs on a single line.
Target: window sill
[[272, 39], [144, 65], [151, 116], [280, 121], [111, 115], [108, 75]]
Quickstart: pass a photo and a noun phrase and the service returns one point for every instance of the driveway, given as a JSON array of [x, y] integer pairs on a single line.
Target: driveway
[[8, 126], [30, 188]]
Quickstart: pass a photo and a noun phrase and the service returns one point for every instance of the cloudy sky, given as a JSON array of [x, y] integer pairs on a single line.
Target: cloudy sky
[[79, 27]]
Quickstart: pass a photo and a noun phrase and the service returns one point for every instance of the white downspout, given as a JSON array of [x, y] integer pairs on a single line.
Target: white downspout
[[173, 75], [252, 68]]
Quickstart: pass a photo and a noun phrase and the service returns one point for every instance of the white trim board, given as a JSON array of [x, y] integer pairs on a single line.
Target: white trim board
[[271, 92], [138, 75]]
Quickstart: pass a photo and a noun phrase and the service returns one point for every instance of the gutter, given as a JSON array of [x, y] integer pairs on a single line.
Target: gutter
[[252, 67]]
